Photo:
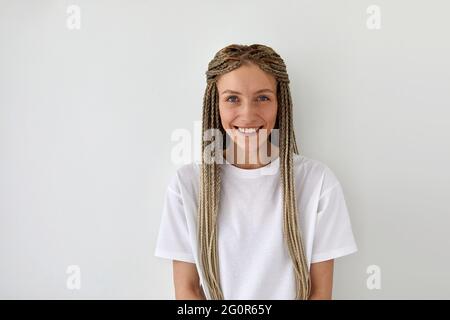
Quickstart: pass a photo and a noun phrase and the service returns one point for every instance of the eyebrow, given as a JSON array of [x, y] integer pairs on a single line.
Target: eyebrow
[[237, 92]]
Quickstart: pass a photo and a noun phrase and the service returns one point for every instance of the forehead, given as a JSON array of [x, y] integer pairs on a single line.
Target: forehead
[[246, 79]]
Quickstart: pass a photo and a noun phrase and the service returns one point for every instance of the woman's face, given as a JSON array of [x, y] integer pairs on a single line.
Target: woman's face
[[248, 102]]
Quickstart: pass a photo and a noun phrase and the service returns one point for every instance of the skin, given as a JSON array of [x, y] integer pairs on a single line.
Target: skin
[[248, 98], [242, 103], [187, 281], [321, 274]]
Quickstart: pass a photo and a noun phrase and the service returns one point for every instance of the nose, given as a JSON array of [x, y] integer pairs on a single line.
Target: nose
[[248, 109]]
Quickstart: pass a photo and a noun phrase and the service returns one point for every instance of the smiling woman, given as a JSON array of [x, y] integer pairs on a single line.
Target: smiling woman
[[245, 111], [237, 230]]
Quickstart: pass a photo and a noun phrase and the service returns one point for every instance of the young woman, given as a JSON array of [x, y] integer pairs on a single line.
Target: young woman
[[240, 228]]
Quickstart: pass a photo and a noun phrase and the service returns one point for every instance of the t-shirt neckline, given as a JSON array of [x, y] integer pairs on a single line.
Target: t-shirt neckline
[[269, 169]]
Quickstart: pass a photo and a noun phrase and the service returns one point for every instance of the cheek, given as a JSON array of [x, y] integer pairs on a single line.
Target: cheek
[[226, 116], [270, 114]]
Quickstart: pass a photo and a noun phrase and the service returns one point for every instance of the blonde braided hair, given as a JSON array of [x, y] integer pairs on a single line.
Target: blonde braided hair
[[226, 60]]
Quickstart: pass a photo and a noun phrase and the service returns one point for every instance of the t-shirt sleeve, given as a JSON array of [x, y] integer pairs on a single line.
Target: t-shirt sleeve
[[173, 240], [333, 236]]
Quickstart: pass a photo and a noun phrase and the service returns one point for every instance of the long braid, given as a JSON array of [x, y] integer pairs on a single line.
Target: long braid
[[226, 60], [292, 236]]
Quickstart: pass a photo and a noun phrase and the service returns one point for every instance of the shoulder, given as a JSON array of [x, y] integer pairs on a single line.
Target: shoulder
[[315, 171], [185, 177]]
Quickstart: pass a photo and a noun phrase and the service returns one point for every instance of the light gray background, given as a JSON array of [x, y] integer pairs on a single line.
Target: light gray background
[[86, 118]]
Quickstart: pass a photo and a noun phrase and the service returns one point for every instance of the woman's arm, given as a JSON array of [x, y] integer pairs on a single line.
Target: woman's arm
[[321, 274], [187, 281]]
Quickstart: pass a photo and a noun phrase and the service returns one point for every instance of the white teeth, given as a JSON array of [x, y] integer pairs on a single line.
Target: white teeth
[[247, 130]]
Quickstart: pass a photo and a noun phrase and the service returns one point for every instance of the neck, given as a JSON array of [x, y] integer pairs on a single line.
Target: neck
[[251, 159]]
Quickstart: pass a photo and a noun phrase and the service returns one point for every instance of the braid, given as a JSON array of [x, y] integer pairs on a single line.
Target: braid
[[226, 60]]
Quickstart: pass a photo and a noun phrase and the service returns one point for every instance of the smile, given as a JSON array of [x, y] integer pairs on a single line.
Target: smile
[[248, 131]]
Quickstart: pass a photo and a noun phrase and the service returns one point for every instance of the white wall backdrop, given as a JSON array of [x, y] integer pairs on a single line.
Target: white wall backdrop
[[86, 118]]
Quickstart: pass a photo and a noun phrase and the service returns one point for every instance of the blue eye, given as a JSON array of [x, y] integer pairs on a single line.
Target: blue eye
[[232, 97], [263, 98]]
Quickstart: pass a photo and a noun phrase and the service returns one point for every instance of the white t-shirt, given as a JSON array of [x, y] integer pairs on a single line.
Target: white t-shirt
[[254, 262]]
